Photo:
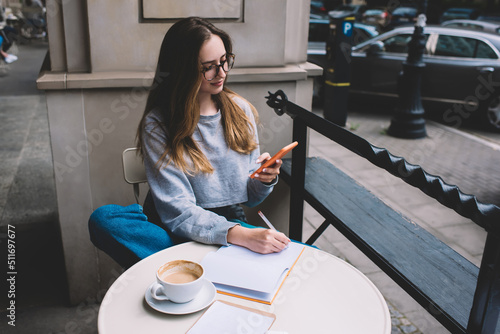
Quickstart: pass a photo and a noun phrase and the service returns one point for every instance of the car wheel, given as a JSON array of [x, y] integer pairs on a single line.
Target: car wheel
[[492, 113]]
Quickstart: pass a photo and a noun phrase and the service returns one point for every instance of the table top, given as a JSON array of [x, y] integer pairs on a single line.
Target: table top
[[322, 294]]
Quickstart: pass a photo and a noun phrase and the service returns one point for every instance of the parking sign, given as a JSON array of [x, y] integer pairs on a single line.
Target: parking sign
[[347, 28]]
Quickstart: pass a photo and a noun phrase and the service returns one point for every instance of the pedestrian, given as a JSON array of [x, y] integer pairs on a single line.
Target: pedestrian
[[199, 143], [4, 46]]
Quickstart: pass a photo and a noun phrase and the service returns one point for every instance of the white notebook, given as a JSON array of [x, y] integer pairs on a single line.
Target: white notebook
[[224, 317], [240, 272]]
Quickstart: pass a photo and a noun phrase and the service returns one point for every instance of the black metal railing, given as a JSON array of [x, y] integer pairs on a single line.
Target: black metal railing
[[486, 306]]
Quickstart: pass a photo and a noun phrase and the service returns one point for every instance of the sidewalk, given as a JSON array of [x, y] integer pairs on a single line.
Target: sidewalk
[[27, 199]]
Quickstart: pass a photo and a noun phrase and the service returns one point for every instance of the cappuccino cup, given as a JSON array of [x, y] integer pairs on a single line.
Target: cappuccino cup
[[178, 281]]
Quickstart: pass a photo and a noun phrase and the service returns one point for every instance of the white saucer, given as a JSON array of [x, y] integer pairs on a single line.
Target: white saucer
[[204, 298]]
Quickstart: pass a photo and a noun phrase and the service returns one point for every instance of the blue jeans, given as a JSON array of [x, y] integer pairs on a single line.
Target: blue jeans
[[131, 233], [125, 234]]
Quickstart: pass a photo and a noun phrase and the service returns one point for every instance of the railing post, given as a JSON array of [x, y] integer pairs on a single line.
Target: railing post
[[298, 178], [485, 311]]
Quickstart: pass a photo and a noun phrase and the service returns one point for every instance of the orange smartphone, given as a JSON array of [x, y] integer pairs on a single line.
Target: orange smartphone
[[275, 157]]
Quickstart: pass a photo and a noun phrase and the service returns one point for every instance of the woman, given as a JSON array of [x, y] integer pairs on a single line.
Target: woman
[[199, 144]]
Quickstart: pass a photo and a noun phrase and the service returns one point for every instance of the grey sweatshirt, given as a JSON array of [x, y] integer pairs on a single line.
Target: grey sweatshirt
[[181, 199]]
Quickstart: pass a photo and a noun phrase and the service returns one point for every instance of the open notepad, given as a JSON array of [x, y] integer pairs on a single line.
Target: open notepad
[[225, 317], [237, 271]]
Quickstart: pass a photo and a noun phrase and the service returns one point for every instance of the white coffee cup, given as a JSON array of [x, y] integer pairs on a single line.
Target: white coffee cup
[[178, 281]]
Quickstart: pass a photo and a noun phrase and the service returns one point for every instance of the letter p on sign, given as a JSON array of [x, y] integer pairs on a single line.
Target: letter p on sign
[[347, 28]]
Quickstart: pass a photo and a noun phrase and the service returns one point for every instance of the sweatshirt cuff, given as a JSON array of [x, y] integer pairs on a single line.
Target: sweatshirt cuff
[[220, 235], [272, 183]]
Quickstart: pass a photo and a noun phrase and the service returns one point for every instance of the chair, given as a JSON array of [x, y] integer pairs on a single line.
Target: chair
[[133, 169], [134, 173]]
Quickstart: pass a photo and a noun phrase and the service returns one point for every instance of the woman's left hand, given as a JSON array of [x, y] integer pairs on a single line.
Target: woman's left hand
[[270, 173]]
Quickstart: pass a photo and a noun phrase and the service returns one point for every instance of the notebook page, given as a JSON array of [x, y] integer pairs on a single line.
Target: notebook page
[[242, 273], [240, 267], [222, 318]]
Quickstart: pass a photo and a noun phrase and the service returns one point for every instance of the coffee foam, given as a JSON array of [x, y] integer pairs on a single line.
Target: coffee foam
[[180, 266]]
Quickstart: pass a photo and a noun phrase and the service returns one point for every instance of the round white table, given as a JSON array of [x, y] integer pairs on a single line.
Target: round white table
[[322, 294]]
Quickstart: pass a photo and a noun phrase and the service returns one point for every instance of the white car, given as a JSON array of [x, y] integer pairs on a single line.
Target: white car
[[473, 25]]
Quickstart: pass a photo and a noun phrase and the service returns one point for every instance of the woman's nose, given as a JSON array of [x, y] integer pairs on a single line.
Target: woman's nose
[[221, 73]]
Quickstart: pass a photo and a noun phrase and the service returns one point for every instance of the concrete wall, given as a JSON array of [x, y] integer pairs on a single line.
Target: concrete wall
[[102, 58]]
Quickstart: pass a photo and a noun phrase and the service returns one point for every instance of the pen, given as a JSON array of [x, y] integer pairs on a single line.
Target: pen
[[266, 220]]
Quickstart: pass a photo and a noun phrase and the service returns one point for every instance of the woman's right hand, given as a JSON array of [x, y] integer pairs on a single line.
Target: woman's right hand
[[259, 240]]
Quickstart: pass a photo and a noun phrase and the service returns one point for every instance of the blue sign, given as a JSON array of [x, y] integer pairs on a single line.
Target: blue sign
[[347, 28]]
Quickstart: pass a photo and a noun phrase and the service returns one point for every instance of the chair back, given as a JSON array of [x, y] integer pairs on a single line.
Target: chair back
[[133, 169]]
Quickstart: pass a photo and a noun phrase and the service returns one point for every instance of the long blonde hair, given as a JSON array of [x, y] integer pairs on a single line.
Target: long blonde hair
[[175, 90]]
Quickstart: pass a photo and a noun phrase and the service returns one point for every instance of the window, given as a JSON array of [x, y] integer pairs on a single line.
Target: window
[[399, 43], [455, 46], [473, 26], [463, 47], [318, 30], [485, 51], [465, 26], [405, 11]]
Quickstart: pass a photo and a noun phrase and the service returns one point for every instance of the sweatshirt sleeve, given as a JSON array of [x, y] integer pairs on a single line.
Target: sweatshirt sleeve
[[174, 197]]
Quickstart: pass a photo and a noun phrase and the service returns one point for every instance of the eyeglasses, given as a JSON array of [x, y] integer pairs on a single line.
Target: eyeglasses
[[212, 71]]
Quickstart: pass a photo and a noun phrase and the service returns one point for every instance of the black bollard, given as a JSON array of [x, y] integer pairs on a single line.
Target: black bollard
[[408, 120]]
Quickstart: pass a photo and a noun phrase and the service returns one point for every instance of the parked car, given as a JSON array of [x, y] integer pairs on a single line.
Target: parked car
[[402, 16], [473, 25], [362, 32], [323, 6], [461, 73], [318, 8], [348, 10], [490, 16], [459, 13], [378, 17], [460, 80]]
